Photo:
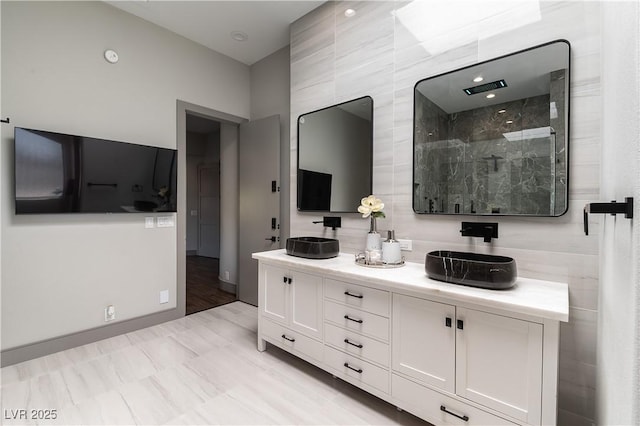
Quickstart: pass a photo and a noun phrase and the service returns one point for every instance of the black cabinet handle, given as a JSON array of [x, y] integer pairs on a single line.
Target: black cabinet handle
[[443, 408], [460, 325], [284, 336], [357, 370], [357, 345], [359, 321], [290, 280], [358, 296], [284, 280], [447, 322]]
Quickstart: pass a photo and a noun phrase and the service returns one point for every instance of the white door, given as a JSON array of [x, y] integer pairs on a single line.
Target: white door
[[209, 219], [275, 293], [499, 363], [259, 210], [306, 304], [424, 340]]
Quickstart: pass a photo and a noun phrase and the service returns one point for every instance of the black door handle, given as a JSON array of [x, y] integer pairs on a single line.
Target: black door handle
[[359, 321], [357, 370], [447, 322], [443, 408], [460, 325], [357, 345]]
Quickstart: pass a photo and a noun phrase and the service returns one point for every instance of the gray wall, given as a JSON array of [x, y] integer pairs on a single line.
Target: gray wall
[[618, 392], [270, 96], [60, 271], [334, 59]]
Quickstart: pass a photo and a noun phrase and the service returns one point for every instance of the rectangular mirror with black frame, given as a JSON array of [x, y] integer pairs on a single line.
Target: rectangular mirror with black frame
[[493, 138], [335, 151]]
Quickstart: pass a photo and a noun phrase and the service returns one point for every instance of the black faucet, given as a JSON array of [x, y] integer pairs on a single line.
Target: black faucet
[[485, 230], [332, 222]]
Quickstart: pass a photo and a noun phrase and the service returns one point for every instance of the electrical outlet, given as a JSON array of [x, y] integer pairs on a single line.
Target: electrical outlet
[[110, 313], [226, 275], [164, 296], [406, 245], [149, 222]]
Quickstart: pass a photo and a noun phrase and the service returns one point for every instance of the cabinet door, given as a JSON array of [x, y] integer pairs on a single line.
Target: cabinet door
[[274, 292], [306, 304], [499, 363], [423, 341]]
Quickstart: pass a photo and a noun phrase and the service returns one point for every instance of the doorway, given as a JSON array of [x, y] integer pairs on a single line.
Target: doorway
[[204, 287]]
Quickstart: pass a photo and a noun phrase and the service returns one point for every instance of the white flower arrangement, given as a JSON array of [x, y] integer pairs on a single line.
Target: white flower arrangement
[[371, 206]]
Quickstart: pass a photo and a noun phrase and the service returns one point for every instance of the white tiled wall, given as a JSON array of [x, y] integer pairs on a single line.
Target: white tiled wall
[[334, 59]]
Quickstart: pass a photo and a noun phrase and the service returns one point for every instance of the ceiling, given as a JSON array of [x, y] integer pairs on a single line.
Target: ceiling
[[210, 23]]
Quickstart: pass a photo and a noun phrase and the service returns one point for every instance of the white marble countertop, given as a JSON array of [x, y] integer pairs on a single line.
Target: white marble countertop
[[545, 299]]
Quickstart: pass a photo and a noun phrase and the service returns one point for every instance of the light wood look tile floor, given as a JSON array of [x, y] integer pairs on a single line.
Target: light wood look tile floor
[[201, 369]]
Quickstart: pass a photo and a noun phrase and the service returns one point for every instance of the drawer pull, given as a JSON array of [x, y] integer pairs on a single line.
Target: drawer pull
[[357, 370], [357, 345], [443, 408], [284, 336], [357, 296], [359, 321]]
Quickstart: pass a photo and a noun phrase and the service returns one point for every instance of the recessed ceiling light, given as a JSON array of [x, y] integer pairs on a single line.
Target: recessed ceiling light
[[509, 121], [478, 79], [239, 36], [491, 95], [502, 111], [349, 13]]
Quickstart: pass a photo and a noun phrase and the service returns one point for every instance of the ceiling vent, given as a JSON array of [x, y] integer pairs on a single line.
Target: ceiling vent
[[486, 87]]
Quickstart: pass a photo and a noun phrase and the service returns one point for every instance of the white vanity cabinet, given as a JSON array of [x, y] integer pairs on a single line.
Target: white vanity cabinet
[[493, 360], [452, 355], [424, 341], [291, 303]]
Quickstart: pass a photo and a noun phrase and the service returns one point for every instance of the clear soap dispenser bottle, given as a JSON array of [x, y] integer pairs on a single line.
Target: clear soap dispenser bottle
[[391, 249]]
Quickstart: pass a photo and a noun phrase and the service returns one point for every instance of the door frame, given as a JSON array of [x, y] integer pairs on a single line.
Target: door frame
[[182, 108]]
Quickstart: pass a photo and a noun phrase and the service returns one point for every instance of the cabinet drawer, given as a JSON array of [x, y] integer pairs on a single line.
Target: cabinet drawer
[[357, 320], [427, 403], [357, 344], [291, 341], [356, 369], [365, 298]]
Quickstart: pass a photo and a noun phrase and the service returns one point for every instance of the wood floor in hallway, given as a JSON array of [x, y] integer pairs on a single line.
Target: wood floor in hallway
[[203, 285]]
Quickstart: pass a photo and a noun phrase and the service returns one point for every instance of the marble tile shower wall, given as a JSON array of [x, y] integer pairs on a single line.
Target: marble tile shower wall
[[457, 169], [335, 59]]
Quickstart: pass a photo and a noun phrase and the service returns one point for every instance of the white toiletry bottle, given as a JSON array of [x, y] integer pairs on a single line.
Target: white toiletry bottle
[[391, 250]]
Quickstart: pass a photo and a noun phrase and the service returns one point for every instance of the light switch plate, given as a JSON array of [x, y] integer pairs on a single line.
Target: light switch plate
[[165, 221], [149, 222]]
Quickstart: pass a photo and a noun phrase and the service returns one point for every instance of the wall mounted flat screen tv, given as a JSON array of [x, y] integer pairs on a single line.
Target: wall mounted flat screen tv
[[60, 173]]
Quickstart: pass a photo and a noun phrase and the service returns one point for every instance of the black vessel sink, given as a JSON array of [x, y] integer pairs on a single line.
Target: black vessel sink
[[313, 247], [472, 269]]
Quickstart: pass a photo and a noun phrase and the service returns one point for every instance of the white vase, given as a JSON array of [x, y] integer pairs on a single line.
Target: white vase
[[391, 253], [374, 241]]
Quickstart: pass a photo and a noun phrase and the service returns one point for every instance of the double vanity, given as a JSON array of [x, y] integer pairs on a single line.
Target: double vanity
[[448, 353]]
